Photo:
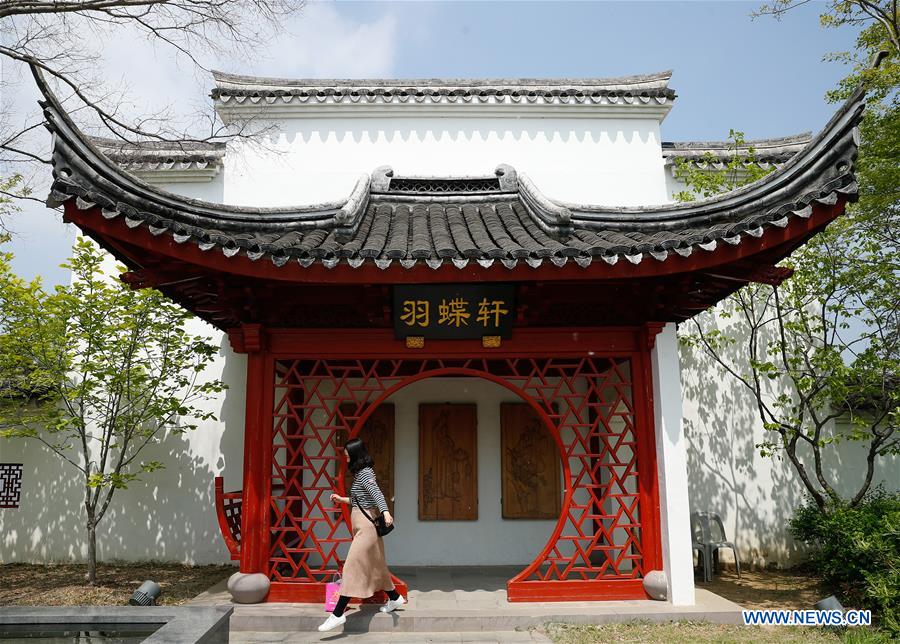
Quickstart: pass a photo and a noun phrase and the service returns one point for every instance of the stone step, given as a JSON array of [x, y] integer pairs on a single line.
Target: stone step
[[473, 617], [476, 637]]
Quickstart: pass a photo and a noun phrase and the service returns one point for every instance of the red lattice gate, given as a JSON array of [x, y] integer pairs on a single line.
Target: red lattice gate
[[597, 410]]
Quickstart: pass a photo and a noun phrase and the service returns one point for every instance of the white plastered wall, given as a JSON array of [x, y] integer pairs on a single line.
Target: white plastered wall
[[168, 515], [755, 495], [612, 161]]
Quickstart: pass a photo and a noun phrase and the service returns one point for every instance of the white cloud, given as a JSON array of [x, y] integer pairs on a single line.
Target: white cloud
[[319, 42], [40, 243]]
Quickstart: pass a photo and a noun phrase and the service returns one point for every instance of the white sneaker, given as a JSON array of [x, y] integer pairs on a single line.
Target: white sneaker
[[393, 604], [331, 623]]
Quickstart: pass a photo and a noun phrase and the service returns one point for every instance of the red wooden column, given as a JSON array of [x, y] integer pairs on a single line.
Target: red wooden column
[[646, 447], [251, 339]]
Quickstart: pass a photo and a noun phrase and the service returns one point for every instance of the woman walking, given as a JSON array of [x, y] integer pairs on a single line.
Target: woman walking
[[365, 570]]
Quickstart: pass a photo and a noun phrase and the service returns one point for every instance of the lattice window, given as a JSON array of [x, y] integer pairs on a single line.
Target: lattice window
[[233, 518], [10, 484], [591, 407], [444, 186]]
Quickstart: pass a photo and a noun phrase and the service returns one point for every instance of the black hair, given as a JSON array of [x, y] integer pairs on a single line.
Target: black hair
[[359, 455]]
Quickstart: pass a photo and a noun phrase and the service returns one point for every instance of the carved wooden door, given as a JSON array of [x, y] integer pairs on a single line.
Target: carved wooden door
[[448, 465], [529, 465]]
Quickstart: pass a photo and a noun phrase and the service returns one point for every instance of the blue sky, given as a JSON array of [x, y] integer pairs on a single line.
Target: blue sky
[[762, 76]]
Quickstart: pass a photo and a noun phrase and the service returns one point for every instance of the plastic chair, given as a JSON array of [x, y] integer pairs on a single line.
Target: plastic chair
[[698, 543], [708, 536]]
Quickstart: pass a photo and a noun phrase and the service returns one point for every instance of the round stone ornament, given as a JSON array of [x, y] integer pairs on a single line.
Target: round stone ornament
[[656, 584], [248, 588]]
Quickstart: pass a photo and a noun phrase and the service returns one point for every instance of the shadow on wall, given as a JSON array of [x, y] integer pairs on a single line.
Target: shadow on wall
[[725, 471], [756, 496], [167, 516]]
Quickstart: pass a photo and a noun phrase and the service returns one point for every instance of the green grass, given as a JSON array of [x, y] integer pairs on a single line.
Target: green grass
[[642, 632]]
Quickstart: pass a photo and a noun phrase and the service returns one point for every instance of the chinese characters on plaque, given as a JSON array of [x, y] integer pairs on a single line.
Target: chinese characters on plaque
[[454, 311]]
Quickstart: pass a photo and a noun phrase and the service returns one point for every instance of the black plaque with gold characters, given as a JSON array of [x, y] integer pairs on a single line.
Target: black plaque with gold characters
[[454, 311]]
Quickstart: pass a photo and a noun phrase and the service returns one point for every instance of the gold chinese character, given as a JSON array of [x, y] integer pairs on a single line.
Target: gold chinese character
[[489, 313], [415, 313], [454, 312]]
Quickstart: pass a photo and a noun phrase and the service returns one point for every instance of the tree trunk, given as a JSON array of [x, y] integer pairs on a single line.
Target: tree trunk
[[92, 553], [870, 471], [791, 451]]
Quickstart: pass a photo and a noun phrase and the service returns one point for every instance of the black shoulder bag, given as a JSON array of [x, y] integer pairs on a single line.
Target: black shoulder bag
[[381, 526]]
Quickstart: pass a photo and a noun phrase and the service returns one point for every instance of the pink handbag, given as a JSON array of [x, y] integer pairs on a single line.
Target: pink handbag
[[332, 592]]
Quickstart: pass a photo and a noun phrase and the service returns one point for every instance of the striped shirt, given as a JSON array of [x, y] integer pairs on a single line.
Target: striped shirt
[[365, 489]]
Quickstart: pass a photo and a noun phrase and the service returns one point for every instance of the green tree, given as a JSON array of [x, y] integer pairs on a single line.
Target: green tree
[[741, 168], [10, 191], [96, 372], [826, 343]]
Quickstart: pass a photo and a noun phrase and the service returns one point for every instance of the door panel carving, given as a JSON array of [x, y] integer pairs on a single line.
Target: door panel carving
[[529, 465], [448, 465]]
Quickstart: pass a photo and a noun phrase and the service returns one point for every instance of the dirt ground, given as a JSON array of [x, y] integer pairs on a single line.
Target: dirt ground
[[768, 589], [64, 585]]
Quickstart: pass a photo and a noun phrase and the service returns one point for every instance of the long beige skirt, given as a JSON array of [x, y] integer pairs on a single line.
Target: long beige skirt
[[365, 569]]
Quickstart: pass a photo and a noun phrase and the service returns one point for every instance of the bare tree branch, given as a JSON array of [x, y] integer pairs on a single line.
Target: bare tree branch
[[64, 39]]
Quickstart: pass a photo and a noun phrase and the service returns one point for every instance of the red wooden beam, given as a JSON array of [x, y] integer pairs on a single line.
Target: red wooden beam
[[574, 591], [157, 278], [645, 428], [745, 271], [381, 343]]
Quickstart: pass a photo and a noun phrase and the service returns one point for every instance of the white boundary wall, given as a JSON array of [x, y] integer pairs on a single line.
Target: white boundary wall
[[608, 161]]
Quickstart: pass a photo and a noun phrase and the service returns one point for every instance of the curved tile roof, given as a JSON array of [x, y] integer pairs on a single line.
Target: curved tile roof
[[627, 89], [775, 151], [165, 162], [441, 221], [148, 156]]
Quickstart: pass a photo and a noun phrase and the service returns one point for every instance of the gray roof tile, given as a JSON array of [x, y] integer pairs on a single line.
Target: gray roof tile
[[441, 220], [234, 88], [776, 151], [149, 156]]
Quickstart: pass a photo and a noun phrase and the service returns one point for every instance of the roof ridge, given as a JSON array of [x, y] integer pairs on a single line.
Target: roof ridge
[[184, 145], [794, 139], [268, 81], [170, 161]]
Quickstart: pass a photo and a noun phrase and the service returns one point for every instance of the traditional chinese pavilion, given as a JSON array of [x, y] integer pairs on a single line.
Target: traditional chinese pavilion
[[456, 287]]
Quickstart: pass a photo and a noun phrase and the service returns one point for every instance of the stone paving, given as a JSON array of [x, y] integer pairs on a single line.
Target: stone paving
[[455, 605]]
